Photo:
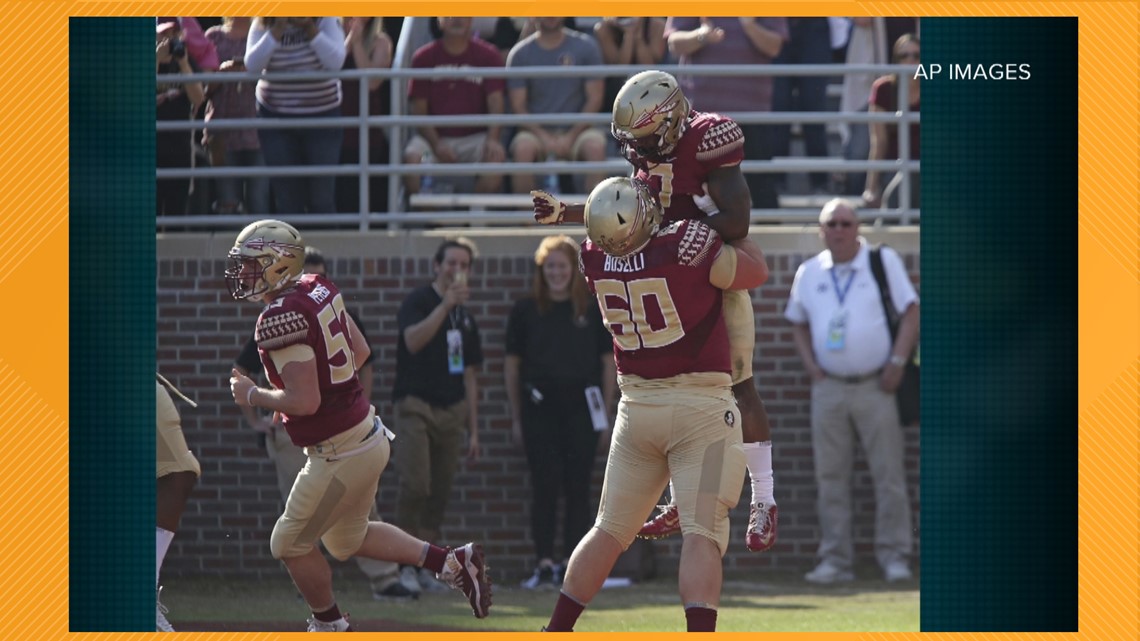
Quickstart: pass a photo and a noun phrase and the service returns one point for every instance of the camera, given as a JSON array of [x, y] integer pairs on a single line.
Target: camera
[[177, 49]]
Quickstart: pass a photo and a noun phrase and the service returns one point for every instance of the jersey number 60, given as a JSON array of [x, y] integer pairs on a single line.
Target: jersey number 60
[[631, 319]]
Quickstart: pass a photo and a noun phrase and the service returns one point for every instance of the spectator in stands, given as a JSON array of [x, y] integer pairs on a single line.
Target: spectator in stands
[[436, 394], [469, 95], [884, 137], [561, 385], [629, 41], [553, 45], [288, 45], [176, 101], [367, 46], [234, 147], [809, 43], [743, 41], [288, 459], [841, 333], [867, 44]]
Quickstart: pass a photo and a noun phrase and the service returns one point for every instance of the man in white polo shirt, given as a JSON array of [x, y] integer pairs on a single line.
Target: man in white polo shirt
[[841, 334]]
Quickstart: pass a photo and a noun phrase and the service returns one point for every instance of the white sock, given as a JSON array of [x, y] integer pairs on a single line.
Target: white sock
[[162, 541], [672, 494], [759, 458]]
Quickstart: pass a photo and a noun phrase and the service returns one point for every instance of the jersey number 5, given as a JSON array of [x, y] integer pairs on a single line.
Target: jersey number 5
[[336, 342], [631, 318]]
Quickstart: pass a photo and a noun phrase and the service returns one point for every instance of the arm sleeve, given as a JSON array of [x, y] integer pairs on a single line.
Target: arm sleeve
[[329, 44], [259, 47]]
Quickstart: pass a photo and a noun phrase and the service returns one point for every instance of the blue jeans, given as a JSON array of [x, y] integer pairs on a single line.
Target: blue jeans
[[292, 147], [253, 191]]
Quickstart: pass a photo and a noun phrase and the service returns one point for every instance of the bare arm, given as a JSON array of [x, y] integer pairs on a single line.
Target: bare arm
[[252, 417], [764, 40], [751, 267], [418, 335], [729, 190], [872, 193], [301, 395], [471, 389], [651, 50]]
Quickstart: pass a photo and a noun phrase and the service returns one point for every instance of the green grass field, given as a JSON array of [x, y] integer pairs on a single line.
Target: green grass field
[[777, 606]]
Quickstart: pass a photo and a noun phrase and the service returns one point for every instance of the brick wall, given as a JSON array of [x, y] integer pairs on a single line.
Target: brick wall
[[226, 527]]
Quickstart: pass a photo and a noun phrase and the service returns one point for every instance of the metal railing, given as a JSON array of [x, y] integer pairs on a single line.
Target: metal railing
[[395, 124]]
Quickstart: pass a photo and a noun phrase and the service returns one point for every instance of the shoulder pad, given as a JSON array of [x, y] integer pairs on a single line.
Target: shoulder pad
[[697, 244], [721, 136], [280, 329]]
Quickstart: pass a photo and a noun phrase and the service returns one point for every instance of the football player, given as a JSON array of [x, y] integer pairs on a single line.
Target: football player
[[177, 472], [660, 291], [691, 160], [310, 348]]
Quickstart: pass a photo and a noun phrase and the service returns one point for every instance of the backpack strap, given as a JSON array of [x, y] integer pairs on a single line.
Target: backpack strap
[[884, 291]]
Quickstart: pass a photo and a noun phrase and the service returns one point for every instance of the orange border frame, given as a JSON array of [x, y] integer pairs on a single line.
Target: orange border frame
[[34, 202]]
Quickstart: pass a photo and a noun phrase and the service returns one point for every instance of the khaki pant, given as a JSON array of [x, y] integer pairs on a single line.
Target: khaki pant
[[289, 460], [429, 441], [686, 428], [171, 453], [836, 407]]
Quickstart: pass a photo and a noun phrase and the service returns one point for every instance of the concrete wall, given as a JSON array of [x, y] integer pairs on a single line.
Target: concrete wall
[[226, 527]]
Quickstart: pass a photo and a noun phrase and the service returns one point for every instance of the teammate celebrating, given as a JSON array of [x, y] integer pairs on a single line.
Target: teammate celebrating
[[691, 160], [310, 348], [660, 293]]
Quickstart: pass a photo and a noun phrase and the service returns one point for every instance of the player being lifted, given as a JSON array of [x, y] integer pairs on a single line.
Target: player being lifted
[[310, 348], [691, 159]]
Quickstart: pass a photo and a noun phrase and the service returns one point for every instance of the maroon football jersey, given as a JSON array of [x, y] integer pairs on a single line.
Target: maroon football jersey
[[313, 314], [711, 141], [665, 316]]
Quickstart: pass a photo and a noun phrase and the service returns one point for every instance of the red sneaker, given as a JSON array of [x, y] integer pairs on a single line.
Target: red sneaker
[[761, 535], [667, 523], [466, 571]]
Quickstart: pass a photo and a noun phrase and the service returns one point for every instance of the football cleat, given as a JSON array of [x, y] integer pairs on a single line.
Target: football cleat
[[466, 571], [340, 625], [667, 523], [761, 534]]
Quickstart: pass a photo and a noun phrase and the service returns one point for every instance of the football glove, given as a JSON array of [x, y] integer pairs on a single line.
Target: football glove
[[548, 210]]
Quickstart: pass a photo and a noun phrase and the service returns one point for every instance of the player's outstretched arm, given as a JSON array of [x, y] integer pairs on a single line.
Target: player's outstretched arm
[[548, 210]]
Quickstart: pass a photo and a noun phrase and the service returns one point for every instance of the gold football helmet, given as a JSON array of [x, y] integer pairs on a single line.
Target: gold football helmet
[[268, 255], [621, 215], [649, 117]]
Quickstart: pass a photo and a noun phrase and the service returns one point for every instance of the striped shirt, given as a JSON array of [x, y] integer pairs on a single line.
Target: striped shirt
[[325, 51]]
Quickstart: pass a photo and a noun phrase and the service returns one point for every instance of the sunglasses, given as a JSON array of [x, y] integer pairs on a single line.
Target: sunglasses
[[839, 223], [908, 55]]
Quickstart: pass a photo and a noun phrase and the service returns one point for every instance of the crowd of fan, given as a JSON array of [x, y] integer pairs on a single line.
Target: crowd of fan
[[269, 45]]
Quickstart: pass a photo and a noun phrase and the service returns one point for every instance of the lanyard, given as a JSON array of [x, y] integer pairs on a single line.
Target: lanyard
[[842, 293]]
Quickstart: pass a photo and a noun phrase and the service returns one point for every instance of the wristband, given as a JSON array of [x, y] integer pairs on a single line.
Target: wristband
[[249, 396], [898, 360]]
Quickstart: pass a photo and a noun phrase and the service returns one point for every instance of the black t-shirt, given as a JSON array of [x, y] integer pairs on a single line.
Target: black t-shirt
[[250, 360], [558, 347], [425, 374]]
